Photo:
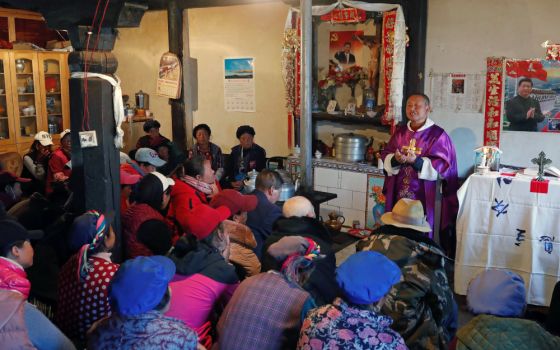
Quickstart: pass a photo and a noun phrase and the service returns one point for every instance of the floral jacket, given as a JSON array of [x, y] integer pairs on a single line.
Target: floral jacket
[[343, 326]]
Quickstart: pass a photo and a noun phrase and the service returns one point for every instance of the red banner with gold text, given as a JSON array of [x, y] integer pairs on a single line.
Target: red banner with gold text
[[493, 104], [389, 20]]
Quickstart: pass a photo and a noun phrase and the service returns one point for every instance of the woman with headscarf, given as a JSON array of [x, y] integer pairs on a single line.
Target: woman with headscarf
[[245, 157], [203, 147], [266, 310], [84, 279]]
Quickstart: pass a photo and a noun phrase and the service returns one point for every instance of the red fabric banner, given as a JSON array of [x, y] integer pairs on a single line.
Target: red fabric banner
[[347, 15], [526, 69], [493, 103], [389, 20]]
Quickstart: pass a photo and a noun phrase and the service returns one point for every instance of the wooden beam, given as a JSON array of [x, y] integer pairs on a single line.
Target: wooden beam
[[174, 27]]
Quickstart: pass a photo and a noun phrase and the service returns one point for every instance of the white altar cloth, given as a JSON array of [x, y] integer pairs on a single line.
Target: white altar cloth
[[502, 225]]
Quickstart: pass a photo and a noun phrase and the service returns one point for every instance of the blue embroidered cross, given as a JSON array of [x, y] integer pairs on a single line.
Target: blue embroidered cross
[[548, 246], [520, 237], [500, 207]]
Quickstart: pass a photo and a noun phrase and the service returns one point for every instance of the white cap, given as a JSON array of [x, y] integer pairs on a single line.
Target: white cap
[[124, 158], [44, 138], [148, 155], [64, 133], [165, 181]]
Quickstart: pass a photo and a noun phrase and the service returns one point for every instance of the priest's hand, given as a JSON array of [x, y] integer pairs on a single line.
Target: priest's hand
[[401, 158], [410, 158]]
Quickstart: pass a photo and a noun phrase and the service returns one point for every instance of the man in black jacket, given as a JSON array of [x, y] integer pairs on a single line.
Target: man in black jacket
[[523, 111]]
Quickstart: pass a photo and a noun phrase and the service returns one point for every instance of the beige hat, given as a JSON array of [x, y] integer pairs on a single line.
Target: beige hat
[[44, 138], [407, 213]]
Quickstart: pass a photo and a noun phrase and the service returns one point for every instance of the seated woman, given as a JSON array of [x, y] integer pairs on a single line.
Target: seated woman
[[36, 162], [153, 138], [242, 239], [207, 149], [266, 310], [59, 169], [204, 276], [195, 184], [245, 157], [498, 298], [139, 296], [84, 279], [127, 181], [22, 325], [364, 278], [151, 198]]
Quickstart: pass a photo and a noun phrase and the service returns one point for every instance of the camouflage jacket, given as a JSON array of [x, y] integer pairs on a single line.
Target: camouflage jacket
[[422, 304]]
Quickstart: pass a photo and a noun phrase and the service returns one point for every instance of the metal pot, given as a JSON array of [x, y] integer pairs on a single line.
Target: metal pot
[[249, 183], [350, 147], [288, 190], [142, 100]]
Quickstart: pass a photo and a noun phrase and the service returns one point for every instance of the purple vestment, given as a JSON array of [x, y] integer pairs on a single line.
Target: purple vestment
[[437, 146]]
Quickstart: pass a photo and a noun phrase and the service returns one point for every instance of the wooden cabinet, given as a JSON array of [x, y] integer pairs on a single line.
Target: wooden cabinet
[[34, 97]]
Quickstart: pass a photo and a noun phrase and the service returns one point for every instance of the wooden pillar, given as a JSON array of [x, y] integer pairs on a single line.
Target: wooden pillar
[[305, 90], [174, 27], [416, 17]]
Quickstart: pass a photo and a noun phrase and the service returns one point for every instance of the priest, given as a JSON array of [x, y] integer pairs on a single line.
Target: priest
[[416, 155]]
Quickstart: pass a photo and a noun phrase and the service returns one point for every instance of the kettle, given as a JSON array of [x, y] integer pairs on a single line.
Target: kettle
[[249, 183], [335, 221]]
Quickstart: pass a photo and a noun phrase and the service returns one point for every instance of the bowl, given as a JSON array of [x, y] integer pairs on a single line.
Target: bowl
[[21, 89]]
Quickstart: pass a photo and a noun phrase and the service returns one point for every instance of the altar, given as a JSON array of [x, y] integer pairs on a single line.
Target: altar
[[501, 224]]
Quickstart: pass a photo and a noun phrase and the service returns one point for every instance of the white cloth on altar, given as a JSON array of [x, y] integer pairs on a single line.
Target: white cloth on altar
[[488, 239]]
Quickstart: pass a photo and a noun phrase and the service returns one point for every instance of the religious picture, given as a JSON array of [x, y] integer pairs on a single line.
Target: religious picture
[[531, 96], [375, 201], [457, 86]]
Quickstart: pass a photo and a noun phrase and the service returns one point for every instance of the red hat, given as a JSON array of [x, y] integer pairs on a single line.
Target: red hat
[[235, 201], [128, 178], [202, 220]]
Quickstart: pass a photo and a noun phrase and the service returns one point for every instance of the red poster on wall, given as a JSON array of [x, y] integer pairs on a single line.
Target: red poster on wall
[[348, 15]]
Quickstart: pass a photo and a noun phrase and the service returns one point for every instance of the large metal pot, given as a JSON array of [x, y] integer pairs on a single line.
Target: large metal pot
[[288, 190], [350, 147]]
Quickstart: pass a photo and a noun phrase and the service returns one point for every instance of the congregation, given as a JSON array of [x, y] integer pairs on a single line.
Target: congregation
[[208, 264]]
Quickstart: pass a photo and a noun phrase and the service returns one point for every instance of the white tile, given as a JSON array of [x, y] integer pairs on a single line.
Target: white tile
[[320, 188], [326, 177], [343, 199], [353, 181], [352, 214], [359, 200]]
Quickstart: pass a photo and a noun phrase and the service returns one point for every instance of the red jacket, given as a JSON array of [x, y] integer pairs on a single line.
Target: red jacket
[[57, 164], [135, 216], [183, 199]]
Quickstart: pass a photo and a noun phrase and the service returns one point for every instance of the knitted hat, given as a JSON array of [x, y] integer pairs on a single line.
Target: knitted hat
[[366, 277], [140, 284], [498, 293], [235, 201]]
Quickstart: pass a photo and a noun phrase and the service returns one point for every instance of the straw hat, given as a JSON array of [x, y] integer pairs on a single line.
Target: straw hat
[[407, 213]]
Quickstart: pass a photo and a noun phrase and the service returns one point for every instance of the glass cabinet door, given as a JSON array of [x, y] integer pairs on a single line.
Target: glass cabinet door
[[53, 99], [6, 121], [26, 97]]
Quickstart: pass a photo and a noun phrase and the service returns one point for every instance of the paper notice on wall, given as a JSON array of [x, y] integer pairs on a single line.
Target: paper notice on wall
[[239, 85], [170, 76], [457, 92]]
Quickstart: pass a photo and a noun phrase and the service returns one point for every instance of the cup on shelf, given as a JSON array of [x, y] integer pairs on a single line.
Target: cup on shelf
[[1, 91], [21, 89]]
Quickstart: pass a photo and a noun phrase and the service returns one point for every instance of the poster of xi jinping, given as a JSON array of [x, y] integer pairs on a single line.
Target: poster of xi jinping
[[532, 96]]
